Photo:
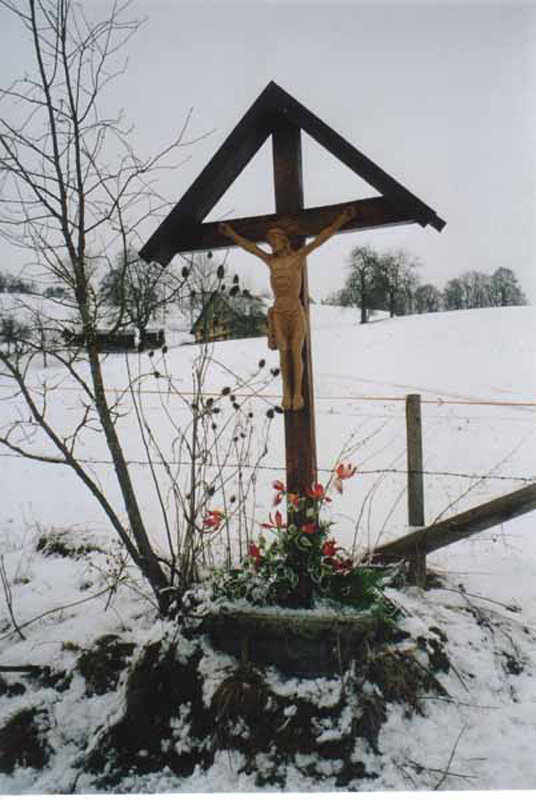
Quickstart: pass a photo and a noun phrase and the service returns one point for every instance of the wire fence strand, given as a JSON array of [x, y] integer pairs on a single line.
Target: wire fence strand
[[275, 468], [439, 401]]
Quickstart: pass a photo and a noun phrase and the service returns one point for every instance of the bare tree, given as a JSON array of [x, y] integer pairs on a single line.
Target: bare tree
[[205, 277], [378, 280], [139, 293], [454, 295], [12, 332], [361, 286], [72, 189], [427, 299], [396, 273], [505, 289]]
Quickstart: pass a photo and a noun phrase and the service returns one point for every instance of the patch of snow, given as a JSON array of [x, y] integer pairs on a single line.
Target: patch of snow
[[454, 360]]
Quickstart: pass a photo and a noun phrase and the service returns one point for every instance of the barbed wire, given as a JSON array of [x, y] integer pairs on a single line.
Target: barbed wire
[[275, 468]]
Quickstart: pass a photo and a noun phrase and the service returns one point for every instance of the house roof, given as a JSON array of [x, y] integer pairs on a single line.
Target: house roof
[[237, 306], [272, 106]]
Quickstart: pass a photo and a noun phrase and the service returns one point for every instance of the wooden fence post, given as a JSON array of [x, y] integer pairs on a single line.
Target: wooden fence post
[[415, 481]]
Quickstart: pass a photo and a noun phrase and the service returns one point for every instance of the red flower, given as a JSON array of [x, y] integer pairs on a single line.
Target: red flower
[[213, 519], [343, 564], [254, 552], [329, 548], [280, 489], [277, 499], [293, 500], [278, 521], [309, 527], [342, 473], [317, 492]]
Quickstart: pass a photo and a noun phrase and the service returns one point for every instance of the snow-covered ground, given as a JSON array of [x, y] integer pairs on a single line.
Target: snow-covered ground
[[476, 374]]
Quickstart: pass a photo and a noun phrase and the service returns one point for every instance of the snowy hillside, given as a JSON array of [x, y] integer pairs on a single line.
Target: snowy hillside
[[475, 371], [476, 374]]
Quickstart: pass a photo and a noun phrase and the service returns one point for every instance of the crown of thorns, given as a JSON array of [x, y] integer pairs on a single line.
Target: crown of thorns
[[280, 231]]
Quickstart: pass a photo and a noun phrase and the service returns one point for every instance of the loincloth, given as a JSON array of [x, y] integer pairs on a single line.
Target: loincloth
[[285, 327]]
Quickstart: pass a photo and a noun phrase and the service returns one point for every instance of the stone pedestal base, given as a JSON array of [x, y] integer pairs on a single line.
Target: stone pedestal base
[[303, 644]]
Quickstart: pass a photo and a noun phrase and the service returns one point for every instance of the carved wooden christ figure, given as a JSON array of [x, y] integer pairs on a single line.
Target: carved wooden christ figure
[[286, 319]]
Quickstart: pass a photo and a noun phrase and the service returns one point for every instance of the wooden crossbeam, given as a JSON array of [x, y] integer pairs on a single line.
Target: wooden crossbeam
[[374, 212], [477, 519]]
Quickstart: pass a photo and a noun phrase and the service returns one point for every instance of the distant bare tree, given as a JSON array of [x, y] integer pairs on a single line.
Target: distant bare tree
[[13, 334], [396, 273], [205, 276], [140, 292], [362, 284], [454, 295], [378, 281], [505, 289], [427, 298]]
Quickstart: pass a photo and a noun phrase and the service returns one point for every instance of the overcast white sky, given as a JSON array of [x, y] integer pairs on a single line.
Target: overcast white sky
[[441, 95]]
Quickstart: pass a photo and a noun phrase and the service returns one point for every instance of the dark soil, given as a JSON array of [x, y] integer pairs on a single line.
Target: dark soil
[[22, 740], [160, 689], [11, 689], [64, 545], [102, 666]]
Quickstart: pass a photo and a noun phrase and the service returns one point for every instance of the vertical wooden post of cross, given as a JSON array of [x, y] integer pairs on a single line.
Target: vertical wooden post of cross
[[300, 440], [415, 481]]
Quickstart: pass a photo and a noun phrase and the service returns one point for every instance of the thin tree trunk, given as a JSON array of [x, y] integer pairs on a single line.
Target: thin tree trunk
[[149, 562], [363, 294]]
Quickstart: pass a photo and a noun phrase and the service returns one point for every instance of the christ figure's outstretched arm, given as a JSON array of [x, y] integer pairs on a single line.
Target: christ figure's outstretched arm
[[348, 214], [246, 244]]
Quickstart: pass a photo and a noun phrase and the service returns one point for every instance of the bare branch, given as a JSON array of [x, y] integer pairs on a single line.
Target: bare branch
[[446, 773], [9, 597]]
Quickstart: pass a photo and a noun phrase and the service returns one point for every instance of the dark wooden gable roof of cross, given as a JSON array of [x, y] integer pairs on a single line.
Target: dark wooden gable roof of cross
[[183, 229]]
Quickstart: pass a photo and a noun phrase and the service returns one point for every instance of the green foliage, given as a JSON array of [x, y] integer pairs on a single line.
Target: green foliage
[[299, 564]]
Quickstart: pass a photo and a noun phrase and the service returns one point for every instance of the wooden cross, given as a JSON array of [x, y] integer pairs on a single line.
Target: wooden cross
[[275, 113]]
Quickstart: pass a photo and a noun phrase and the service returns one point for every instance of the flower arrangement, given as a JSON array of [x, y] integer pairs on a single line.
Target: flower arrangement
[[299, 562]]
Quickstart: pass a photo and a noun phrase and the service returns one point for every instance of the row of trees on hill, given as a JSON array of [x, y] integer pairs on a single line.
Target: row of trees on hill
[[478, 290], [15, 284], [390, 282]]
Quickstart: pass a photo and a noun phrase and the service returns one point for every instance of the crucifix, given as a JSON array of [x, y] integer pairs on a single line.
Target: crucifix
[[287, 323], [275, 113]]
